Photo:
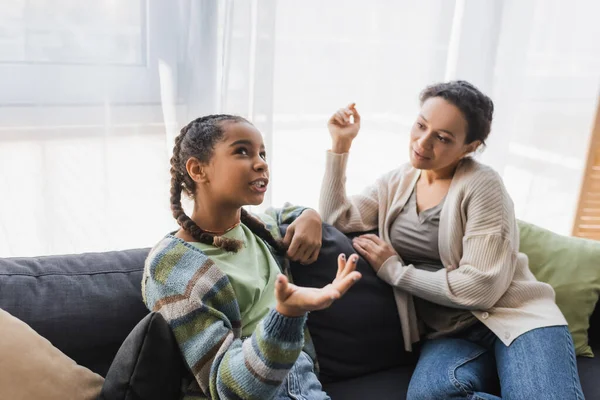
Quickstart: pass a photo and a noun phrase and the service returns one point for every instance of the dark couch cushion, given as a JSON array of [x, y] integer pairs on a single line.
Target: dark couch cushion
[[391, 384], [148, 366], [589, 371], [84, 304], [360, 333]]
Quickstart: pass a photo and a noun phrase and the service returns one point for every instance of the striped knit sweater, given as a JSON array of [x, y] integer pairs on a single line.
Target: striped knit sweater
[[478, 233], [198, 301]]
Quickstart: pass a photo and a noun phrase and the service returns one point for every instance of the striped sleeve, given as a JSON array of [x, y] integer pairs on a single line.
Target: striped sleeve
[[199, 304], [275, 217]]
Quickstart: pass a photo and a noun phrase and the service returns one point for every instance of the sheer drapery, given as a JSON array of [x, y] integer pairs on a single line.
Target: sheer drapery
[[93, 93]]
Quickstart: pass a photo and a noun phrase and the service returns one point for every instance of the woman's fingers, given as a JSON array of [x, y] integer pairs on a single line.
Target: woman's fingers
[[346, 113], [342, 117], [371, 237], [366, 244], [362, 249], [356, 116]]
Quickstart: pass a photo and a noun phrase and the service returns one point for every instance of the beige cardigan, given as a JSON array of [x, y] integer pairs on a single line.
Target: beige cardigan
[[478, 233]]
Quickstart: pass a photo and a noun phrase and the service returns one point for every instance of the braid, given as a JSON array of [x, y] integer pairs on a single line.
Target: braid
[[259, 229], [180, 179]]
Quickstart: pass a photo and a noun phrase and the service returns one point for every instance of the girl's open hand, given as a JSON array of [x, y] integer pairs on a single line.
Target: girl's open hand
[[294, 301]]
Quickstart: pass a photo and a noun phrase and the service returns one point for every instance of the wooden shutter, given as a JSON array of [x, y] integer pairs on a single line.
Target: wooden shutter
[[587, 219]]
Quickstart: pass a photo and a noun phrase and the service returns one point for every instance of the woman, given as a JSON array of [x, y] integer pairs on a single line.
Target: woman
[[449, 245]]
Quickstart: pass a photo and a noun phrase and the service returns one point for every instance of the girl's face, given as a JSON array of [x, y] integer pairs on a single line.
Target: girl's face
[[437, 139], [237, 173]]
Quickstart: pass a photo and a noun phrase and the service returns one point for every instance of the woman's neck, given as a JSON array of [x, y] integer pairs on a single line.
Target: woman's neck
[[215, 219], [430, 176]]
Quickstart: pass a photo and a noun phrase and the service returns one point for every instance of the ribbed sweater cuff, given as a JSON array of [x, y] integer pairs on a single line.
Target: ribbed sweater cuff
[[386, 270], [286, 329], [336, 163]]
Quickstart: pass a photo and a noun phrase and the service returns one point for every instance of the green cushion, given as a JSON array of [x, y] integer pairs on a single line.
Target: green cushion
[[572, 266]]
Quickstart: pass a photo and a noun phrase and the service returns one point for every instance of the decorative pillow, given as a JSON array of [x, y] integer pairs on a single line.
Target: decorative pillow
[[572, 266], [32, 368], [360, 333], [148, 365]]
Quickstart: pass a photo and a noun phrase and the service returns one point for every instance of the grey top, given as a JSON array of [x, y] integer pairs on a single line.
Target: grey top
[[415, 237]]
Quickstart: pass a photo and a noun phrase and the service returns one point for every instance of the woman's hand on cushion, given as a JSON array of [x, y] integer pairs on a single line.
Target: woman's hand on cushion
[[295, 301], [303, 237], [373, 249], [342, 129]]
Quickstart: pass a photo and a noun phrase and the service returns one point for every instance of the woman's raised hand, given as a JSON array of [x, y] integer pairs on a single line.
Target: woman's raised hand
[[343, 128]]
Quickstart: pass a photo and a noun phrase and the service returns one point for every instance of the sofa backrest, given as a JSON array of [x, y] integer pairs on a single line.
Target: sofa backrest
[[84, 304]]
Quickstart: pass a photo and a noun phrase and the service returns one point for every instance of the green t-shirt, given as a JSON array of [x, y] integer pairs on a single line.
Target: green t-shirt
[[252, 272]]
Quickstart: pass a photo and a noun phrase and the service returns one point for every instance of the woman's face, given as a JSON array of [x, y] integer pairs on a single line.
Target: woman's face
[[437, 139]]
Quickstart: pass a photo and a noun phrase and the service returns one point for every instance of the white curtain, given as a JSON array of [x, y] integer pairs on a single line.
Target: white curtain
[[92, 94], [539, 60]]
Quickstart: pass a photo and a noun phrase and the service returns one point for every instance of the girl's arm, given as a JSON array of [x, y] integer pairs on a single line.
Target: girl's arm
[[198, 302], [200, 306]]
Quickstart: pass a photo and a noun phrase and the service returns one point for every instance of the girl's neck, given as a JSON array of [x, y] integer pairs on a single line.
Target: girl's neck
[[216, 220]]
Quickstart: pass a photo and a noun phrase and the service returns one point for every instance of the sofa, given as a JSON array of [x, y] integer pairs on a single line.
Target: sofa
[[86, 305]]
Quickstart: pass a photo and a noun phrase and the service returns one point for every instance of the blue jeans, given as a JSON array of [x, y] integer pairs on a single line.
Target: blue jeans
[[539, 364], [302, 382]]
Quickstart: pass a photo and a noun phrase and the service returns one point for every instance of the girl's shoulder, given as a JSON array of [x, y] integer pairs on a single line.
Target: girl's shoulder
[[172, 254]]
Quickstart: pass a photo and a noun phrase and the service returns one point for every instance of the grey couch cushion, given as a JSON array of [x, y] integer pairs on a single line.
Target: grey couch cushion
[[589, 371], [360, 333], [148, 366], [87, 304], [84, 304], [390, 384]]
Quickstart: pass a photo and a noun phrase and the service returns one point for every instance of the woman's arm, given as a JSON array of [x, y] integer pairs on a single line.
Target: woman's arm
[[483, 276], [489, 254], [348, 214], [357, 213]]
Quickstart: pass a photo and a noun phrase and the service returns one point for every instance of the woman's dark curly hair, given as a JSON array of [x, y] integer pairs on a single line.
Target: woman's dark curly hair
[[198, 139], [477, 108]]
